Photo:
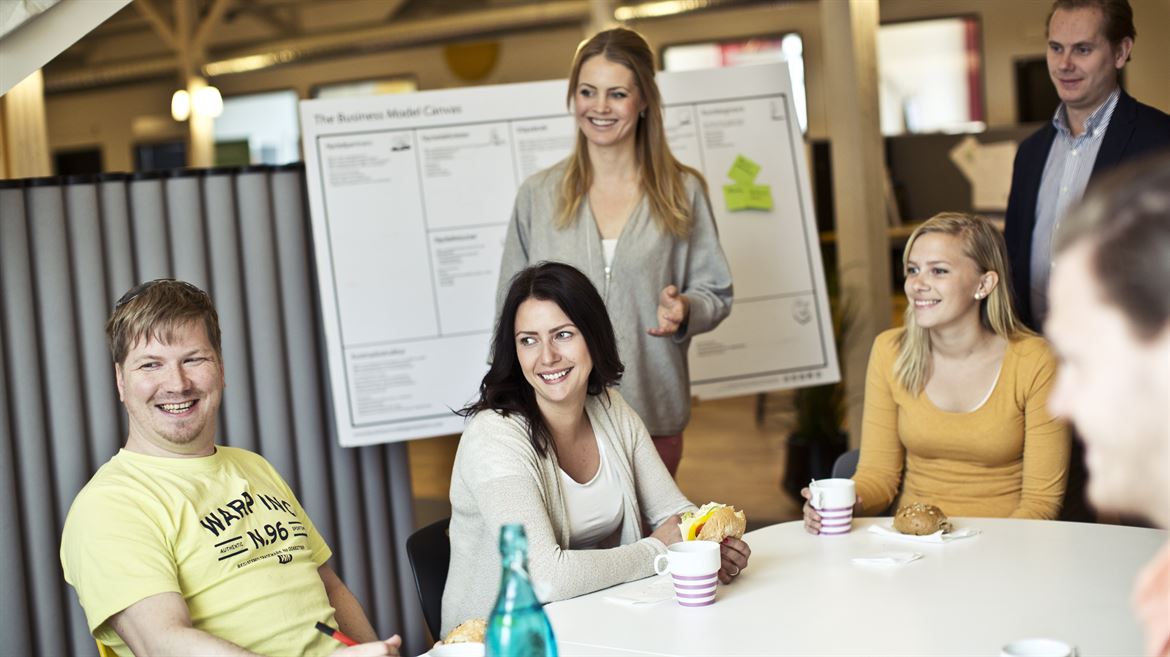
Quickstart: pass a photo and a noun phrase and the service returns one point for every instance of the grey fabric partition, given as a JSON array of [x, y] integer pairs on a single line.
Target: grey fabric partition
[[68, 249]]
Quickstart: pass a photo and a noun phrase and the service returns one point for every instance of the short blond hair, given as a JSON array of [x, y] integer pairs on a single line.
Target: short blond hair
[[154, 310]]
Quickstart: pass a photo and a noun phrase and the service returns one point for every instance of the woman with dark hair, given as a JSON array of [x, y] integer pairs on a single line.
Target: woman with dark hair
[[637, 222], [552, 446]]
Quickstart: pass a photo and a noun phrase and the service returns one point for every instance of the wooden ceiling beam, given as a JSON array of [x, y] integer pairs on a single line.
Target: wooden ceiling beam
[[164, 31], [272, 15], [209, 22], [392, 9]]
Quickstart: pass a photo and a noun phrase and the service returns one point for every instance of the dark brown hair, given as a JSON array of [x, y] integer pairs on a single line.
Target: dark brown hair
[[504, 388], [1125, 219], [1117, 18], [154, 310]]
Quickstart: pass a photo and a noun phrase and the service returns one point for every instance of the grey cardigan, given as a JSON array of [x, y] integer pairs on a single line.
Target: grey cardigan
[[656, 380], [498, 478]]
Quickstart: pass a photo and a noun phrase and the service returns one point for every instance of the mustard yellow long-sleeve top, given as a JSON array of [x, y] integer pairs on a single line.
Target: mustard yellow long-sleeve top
[[1007, 458]]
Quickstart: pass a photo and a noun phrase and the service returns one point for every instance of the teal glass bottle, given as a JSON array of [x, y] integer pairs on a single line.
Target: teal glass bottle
[[518, 626]]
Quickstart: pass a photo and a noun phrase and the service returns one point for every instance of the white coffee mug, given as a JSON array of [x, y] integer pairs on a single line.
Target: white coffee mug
[[833, 500], [1037, 648], [694, 569]]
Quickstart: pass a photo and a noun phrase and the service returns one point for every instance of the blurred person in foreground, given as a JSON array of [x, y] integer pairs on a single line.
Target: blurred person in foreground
[[551, 444], [956, 400], [178, 546], [1110, 325]]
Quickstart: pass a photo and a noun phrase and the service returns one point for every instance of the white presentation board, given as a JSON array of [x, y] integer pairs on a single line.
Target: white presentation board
[[410, 197]]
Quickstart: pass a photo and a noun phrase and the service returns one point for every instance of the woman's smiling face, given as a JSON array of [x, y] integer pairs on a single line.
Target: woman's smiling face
[[606, 102], [552, 353], [941, 281]]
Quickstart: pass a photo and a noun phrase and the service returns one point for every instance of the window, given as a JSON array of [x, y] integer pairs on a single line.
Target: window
[[160, 156], [715, 54], [930, 76], [268, 122]]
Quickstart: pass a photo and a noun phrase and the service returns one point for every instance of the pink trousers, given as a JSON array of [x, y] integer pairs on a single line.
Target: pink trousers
[[670, 449]]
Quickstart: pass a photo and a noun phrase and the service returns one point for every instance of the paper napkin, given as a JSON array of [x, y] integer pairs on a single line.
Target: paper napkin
[[888, 559], [649, 592]]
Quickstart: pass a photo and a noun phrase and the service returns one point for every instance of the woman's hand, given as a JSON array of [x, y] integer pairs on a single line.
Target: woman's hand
[[812, 519], [735, 555], [668, 531], [673, 310]]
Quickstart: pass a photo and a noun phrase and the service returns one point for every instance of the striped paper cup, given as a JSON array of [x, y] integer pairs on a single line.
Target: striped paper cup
[[694, 569], [836, 521], [833, 499], [695, 590]]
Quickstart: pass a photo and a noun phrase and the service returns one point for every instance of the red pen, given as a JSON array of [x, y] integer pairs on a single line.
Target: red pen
[[336, 634]]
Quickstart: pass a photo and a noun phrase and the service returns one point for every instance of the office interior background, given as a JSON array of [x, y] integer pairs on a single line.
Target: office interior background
[[935, 71]]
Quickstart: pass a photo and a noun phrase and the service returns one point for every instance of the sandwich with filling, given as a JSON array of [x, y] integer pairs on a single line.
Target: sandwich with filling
[[712, 522]]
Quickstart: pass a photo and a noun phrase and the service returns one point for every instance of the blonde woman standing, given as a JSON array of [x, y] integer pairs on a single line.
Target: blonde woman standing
[[956, 401], [637, 222]]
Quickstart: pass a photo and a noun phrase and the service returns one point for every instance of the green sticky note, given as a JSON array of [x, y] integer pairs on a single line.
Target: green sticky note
[[743, 170], [736, 196], [759, 197]]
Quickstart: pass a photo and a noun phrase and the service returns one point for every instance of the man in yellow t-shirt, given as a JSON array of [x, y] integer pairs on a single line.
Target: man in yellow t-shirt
[[179, 547]]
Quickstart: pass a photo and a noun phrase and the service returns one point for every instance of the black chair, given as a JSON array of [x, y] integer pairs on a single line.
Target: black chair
[[429, 551], [846, 464]]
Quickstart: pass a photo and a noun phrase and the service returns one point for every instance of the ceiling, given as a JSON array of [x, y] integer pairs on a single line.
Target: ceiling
[[142, 41]]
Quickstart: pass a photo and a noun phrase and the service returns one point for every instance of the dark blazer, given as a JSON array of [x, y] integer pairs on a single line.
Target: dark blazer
[[1133, 129]]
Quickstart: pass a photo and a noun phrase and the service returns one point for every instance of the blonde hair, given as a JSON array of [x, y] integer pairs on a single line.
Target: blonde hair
[[662, 174], [982, 243], [155, 310]]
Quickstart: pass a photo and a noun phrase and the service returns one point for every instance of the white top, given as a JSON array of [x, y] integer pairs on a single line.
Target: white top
[[802, 595], [499, 478], [595, 507], [607, 250]]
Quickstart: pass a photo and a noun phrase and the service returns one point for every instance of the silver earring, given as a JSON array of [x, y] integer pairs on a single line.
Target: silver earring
[[642, 114]]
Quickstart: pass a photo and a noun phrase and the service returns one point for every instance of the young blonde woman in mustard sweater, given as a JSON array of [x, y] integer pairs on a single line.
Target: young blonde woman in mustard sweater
[[956, 401]]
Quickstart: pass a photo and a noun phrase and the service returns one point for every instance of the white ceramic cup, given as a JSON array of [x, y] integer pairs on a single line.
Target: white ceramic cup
[[1037, 648], [694, 569], [833, 499]]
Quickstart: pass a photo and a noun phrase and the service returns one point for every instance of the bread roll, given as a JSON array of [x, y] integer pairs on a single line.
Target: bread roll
[[921, 519], [471, 631]]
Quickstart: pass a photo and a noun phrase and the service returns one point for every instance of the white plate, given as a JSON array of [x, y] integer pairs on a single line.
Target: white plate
[[455, 650]]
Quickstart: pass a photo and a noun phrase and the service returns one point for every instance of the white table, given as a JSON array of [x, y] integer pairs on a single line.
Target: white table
[[802, 595]]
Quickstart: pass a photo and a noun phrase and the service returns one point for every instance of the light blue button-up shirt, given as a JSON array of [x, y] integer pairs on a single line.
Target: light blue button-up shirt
[[1066, 174]]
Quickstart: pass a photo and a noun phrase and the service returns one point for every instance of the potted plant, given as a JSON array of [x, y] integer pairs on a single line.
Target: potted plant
[[818, 437]]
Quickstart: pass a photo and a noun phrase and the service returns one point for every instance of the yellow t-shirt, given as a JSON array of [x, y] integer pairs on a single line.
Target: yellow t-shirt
[[1007, 458], [224, 531]]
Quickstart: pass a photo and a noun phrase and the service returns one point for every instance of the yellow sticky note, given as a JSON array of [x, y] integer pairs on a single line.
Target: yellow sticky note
[[736, 196], [743, 170], [759, 197]]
